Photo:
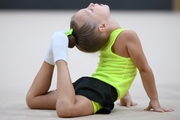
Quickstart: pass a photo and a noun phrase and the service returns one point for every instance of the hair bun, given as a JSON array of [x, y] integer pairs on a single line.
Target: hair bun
[[72, 41]]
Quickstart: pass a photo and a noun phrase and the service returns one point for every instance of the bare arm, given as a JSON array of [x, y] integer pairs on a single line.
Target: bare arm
[[136, 53]]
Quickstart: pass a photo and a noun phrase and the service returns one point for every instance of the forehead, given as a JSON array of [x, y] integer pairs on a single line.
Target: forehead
[[82, 13], [81, 16]]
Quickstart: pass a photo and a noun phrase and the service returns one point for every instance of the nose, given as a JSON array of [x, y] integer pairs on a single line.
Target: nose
[[91, 4]]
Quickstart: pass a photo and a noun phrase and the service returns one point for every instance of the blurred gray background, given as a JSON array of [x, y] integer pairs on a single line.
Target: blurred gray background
[[77, 4], [26, 28]]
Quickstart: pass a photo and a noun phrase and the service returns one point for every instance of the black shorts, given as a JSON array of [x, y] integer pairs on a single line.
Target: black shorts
[[97, 91]]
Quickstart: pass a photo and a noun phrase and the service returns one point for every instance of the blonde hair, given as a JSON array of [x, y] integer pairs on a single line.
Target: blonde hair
[[86, 37]]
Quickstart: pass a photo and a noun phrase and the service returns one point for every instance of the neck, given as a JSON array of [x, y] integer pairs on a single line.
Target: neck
[[112, 25]]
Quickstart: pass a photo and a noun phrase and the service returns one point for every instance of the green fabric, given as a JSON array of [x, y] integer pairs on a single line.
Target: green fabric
[[96, 106], [115, 70]]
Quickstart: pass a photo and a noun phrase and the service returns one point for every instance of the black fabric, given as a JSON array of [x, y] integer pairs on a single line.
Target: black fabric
[[97, 91]]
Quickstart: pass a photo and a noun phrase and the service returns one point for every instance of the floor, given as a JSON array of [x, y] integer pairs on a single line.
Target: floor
[[24, 38]]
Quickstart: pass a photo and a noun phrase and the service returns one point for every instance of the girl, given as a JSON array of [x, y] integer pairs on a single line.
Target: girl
[[93, 29]]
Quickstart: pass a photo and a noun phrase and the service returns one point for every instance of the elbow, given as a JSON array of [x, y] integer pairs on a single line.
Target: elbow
[[145, 69]]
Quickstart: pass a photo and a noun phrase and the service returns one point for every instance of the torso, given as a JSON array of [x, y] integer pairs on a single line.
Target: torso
[[115, 66]]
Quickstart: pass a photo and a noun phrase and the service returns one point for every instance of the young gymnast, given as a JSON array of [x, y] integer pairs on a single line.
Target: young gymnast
[[121, 54]]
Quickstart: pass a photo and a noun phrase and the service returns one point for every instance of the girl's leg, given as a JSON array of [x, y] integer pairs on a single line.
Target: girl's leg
[[68, 104], [38, 96]]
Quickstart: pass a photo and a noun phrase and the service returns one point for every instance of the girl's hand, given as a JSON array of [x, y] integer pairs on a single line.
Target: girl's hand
[[127, 101], [156, 107]]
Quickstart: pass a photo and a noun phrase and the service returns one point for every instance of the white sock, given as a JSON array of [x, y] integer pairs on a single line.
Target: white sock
[[60, 46], [49, 55]]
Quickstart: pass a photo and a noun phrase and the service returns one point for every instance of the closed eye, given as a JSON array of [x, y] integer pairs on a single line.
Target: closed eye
[[91, 10]]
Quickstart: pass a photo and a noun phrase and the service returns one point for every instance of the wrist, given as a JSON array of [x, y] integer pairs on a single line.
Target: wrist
[[126, 95], [154, 99]]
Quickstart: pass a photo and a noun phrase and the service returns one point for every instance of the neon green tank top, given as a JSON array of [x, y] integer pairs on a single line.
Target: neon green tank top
[[115, 70]]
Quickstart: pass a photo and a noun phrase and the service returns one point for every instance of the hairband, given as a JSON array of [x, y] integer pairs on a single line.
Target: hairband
[[69, 32]]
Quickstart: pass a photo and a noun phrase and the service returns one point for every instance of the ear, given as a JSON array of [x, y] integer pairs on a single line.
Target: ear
[[102, 27]]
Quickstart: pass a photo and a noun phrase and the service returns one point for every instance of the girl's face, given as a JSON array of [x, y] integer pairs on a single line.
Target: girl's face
[[97, 12]]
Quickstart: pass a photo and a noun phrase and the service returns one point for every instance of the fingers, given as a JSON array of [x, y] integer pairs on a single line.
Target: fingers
[[161, 110], [168, 110], [148, 108], [156, 109], [134, 104], [129, 104]]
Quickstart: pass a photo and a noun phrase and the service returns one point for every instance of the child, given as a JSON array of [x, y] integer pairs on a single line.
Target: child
[[93, 29]]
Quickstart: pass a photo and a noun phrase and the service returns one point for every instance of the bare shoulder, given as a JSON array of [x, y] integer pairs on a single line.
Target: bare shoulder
[[122, 42], [127, 35]]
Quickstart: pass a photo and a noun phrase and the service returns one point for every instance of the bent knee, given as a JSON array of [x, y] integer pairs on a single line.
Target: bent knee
[[64, 109], [29, 101]]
